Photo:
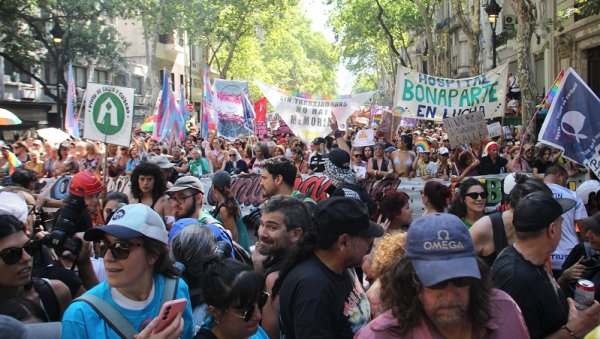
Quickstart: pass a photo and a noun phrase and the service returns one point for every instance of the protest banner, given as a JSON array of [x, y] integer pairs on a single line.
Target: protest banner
[[364, 137], [309, 118], [235, 113], [467, 128], [594, 166], [108, 114], [572, 123], [423, 96], [494, 129]]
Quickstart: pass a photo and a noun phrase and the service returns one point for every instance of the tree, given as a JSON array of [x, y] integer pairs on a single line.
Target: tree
[[87, 36], [471, 27], [525, 11]]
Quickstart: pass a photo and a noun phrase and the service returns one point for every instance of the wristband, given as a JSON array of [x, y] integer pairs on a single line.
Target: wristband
[[571, 333]]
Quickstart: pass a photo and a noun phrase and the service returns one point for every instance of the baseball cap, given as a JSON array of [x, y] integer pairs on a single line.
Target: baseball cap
[[221, 178], [593, 222], [390, 149], [538, 210], [132, 221], [342, 215], [161, 161], [186, 182], [20, 330], [11, 203], [585, 189], [443, 150], [318, 141], [440, 248], [339, 158]]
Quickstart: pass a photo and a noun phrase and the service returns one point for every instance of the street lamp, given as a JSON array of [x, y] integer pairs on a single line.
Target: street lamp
[[493, 9], [57, 34]]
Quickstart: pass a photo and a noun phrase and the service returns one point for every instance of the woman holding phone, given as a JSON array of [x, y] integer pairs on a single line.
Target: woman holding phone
[[139, 271]]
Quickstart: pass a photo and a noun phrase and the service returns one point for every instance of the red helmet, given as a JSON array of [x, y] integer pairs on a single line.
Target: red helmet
[[84, 184]]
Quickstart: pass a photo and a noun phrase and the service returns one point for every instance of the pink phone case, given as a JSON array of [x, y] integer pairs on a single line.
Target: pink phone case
[[168, 312]]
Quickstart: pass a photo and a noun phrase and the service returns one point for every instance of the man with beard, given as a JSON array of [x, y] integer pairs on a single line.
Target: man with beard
[[282, 223], [320, 294], [439, 289], [186, 197], [277, 177]]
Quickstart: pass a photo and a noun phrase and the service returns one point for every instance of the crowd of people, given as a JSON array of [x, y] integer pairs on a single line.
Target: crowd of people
[[114, 265]]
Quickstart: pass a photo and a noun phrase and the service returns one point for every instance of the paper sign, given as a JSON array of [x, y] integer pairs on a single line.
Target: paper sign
[[108, 114], [467, 128], [594, 166], [494, 129], [364, 137]]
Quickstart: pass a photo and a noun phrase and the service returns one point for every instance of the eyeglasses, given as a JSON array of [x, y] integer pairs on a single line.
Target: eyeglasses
[[357, 155], [232, 155], [474, 195], [12, 255], [249, 311], [457, 282], [181, 200], [119, 249]]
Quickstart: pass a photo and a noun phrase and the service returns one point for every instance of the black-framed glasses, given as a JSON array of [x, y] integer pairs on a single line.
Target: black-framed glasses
[[181, 200], [249, 311], [119, 249], [357, 155], [12, 255], [474, 195]]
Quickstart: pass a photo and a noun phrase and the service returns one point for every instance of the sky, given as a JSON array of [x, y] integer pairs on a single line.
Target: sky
[[317, 12]]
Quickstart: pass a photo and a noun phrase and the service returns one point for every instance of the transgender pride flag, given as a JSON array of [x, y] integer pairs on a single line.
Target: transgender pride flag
[[71, 123], [207, 102]]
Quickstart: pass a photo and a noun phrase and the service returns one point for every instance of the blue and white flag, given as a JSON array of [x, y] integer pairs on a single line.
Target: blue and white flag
[[573, 120]]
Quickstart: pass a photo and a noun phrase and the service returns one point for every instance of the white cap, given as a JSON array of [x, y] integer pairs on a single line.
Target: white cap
[[584, 190], [13, 204], [443, 150], [132, 221]]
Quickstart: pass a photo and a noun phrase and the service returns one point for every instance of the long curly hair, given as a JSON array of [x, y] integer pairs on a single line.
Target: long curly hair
[[146, 168], [400, 291]]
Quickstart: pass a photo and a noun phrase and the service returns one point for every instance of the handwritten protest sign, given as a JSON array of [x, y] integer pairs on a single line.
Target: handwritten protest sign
[[464, 129], [494, 129]]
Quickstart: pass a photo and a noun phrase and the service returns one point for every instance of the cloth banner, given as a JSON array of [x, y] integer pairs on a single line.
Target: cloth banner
[[428, 97], [234, 117], [310, 118], [572, 123]]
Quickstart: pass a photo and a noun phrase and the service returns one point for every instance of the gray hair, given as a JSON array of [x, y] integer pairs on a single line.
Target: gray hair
[[193, 247]]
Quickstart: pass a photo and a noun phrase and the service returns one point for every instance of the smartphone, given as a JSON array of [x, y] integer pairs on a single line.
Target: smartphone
[[168, 312]]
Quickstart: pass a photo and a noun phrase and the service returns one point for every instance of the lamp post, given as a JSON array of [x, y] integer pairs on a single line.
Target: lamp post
[[57, 34], [493, 9]]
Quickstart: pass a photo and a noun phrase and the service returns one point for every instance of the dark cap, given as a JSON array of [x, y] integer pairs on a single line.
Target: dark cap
[[342, 215], [319, 141], [593, 222], [440, 248], [538, 210], [221, 179], [339, 158]]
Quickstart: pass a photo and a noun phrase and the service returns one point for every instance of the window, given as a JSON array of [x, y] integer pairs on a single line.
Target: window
[[161, 75], [173, 82], [101, 77], [136, 82], [15, 75], [79, 74], [120, 79]]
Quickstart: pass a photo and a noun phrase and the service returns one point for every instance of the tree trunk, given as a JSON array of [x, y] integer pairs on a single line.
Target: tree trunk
[[432, 50], [524, 10], [233, 46], [472, 30]]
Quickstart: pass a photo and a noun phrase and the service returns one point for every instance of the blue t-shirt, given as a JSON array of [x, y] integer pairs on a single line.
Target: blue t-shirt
[[81, 321]]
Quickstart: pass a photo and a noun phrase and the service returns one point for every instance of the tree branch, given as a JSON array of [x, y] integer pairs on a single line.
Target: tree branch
[[22, 69]]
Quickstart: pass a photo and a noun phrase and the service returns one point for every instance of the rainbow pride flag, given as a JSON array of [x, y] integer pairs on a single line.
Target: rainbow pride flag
[[12, 163], [547, 102]]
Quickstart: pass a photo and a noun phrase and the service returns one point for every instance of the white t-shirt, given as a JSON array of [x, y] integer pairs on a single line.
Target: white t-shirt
[[569, 238]]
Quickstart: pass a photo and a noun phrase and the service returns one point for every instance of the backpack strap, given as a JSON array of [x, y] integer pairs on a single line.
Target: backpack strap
[[111, 316], [170, 289], [48, 298]]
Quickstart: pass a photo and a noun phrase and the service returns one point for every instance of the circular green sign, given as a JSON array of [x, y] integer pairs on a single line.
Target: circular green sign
[[108, 113]]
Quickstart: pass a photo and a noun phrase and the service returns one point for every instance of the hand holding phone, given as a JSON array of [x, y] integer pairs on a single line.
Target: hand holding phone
[[168, 312]]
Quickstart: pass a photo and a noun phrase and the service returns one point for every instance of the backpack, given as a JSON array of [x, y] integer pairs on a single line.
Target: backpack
[[116, 320]]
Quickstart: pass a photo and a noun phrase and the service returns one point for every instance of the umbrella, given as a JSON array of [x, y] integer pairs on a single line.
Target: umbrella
[[8, 118], [53, 135]]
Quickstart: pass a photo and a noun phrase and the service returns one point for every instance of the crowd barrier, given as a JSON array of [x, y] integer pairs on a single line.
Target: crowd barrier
[[248, 192]]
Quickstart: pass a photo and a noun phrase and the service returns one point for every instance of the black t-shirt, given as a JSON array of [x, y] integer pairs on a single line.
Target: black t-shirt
[[541, 167], [315, 302], [543, 304], [486, 165], [317, 163]]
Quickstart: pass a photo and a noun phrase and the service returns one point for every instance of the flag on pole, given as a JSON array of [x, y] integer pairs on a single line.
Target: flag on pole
[[71, 123], [572, 122], [168, 112], [260, 108], [207, 102], [12, 163], [182, 117]]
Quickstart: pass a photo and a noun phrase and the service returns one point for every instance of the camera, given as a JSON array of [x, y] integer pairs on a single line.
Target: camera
[[68, 221], [224, 249]]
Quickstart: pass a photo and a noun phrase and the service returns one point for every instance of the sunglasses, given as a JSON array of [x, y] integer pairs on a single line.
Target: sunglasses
[[249, 311], [357, 155], [457, 282], [12, 255], [232, 155], [474, 195], [119, 249]]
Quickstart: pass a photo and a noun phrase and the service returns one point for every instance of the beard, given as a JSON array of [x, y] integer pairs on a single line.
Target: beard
[[450, 316], [185, 213]]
